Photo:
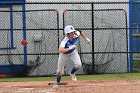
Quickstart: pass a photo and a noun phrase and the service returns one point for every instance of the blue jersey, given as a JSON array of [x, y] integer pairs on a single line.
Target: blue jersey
[[66, 43]]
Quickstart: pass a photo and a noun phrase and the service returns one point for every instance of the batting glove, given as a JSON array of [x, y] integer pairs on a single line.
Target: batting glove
[[77, 33], [88, 41], [72, 47]]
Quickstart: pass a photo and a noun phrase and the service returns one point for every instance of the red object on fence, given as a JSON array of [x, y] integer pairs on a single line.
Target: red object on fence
[[24, 42]]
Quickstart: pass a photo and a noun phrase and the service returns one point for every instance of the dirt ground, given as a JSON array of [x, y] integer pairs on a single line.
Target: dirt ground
[[94, 86]]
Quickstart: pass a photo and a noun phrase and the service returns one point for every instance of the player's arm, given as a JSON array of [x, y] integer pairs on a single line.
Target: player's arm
[[84, 36], [63, 50]]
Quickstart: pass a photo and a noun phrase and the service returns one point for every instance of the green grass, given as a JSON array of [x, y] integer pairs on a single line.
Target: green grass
[[125, 76]]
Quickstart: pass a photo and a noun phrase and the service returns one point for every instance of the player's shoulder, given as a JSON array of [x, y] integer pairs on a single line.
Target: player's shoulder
[[65, 39]]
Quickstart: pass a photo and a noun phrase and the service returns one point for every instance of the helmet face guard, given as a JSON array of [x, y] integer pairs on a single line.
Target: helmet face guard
[[68, 29]]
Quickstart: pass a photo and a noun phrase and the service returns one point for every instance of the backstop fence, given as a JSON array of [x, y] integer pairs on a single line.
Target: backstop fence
[[114, 47]]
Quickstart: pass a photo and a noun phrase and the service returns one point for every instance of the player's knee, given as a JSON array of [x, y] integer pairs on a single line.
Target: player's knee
[[58, 73], [78, 66]]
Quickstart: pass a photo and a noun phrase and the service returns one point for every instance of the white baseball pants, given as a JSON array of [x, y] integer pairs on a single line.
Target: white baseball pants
[[64, 58]]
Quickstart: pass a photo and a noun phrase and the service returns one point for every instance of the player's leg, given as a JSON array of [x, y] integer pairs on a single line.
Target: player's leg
[[76, 60], [61, 63], [77, 64]]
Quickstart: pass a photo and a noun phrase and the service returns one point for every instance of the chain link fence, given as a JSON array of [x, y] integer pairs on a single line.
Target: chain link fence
[[42, 24]]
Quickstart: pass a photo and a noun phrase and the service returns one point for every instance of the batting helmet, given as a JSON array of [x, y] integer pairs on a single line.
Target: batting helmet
[[69, 29]]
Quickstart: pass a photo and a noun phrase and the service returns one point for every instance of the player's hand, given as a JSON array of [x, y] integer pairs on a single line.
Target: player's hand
[[72, 47], [77, 33], [88, 41]]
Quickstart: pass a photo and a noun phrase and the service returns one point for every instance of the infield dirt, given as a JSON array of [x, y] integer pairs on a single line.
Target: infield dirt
[[84, 86]]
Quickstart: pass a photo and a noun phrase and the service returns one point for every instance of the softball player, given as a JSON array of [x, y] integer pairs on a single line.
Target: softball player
[[67, 51]]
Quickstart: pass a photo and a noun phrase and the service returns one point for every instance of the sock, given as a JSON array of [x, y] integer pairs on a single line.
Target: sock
[[58, 79], [74, 69]]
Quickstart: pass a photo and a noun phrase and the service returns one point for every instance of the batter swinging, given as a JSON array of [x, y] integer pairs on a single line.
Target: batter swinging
[[67, 51]]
